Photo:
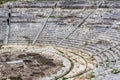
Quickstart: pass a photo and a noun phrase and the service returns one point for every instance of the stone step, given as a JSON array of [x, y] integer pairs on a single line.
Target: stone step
[[79, 63]]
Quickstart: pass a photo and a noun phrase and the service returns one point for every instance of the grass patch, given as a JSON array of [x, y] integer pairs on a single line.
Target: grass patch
[[16, 78], [4, 1], [56, 16], [1, 46], [27, 39], [64, 78], [52, 17], [62, 65], [60, 51], [110, 49], [4, 79], [91, 76], [43, 62], [115, 71]]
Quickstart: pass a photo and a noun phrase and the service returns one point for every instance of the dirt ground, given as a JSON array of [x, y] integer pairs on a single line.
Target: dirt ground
[[26, 66]]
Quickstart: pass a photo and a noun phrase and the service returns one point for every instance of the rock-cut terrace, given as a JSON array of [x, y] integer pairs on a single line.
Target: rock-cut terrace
[[60, 40]]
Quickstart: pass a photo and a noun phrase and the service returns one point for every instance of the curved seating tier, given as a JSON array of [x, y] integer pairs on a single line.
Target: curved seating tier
[[99, 36]]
